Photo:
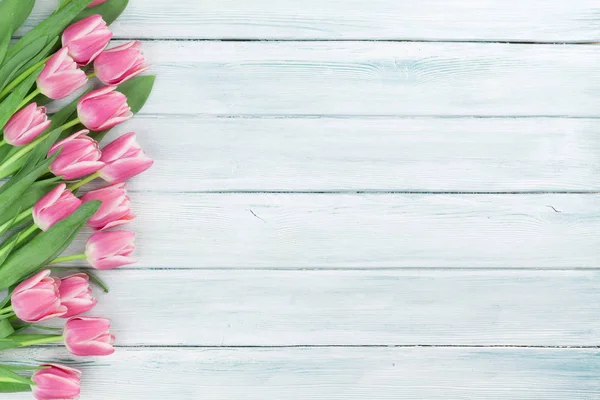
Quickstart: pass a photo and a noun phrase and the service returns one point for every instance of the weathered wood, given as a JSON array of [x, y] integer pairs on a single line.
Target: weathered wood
[[337, 373], [374, 79], [190, 230], [291, 308], [399, 154], [531, 20]]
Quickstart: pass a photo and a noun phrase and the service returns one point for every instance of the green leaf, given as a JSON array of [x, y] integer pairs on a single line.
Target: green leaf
[[110, 11], [10, 387], [50, 28], [6, 329], [10, 246], [4, 42], [28, 199], [13, 14], [16, 378], [138, 91], [45, 247], [15, 63], [20, 182], [11, 103], [33, 63]]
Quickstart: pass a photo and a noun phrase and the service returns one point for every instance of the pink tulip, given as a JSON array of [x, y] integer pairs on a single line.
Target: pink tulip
[[89, 336], [58, 204], [37, 298], [103, 108], [86, 39], [115, 66], [108, 250], [96, 3], [27, 124], [61, 77], [56, 382], [79, 156], [76, 294], [114, 210], [123, 159]]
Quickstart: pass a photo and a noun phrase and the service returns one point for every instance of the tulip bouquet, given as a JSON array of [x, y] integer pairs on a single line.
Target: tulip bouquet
[[45, 161]]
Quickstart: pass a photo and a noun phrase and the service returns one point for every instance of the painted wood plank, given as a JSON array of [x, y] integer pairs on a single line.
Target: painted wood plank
[[190, 230], [294, 308], [373, 79], [532, 20], [399, 154], [339, 373]]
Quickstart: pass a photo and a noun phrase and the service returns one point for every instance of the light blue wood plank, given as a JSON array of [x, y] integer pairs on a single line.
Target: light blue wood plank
[[531, 20], [285, 231], [339, 374], [399, 154], [373, 79], [292, 308]]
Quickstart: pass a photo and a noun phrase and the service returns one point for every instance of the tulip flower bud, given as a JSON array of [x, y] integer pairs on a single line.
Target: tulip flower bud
[[56, 382], [37, 298], [123, 159], [27, 124], [76, 295], [58, 204], [108, 250], [96, 3], [86, 39], [114, 210], [115, 66], [79, 156], [60, 77], [89, 336], [103, 108]]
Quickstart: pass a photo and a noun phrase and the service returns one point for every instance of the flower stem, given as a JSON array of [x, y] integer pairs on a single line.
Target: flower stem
[[6, 310], [47, 339], [85, 180], [5, 168], [19, 218], [92, 75], [29, 98], [68, 258], [22, 77]]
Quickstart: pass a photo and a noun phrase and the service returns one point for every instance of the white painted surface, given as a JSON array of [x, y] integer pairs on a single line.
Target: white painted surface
[[307, 230], [531, 20], [223, 270], [366, 308], [393, 154], [341, 374], [374, 79]]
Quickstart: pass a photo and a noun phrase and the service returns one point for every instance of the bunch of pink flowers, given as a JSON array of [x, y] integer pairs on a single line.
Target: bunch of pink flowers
[[65, 144]]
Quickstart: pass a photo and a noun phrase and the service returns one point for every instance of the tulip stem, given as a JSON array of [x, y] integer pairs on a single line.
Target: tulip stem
[[68, 258], [29, 98], [85, 180], [5, 316], [92, 75], [47, 339], [6, 167], [19, 218], [6, 310], [22, 77]]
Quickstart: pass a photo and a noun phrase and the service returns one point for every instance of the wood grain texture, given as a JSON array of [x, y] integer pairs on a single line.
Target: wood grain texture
[[390, 308], [396, 154], [339, 373], [373, 78], [532, 20], [190, 230]]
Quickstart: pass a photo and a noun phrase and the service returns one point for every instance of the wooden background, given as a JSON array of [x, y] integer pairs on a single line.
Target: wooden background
[[383, 199]]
